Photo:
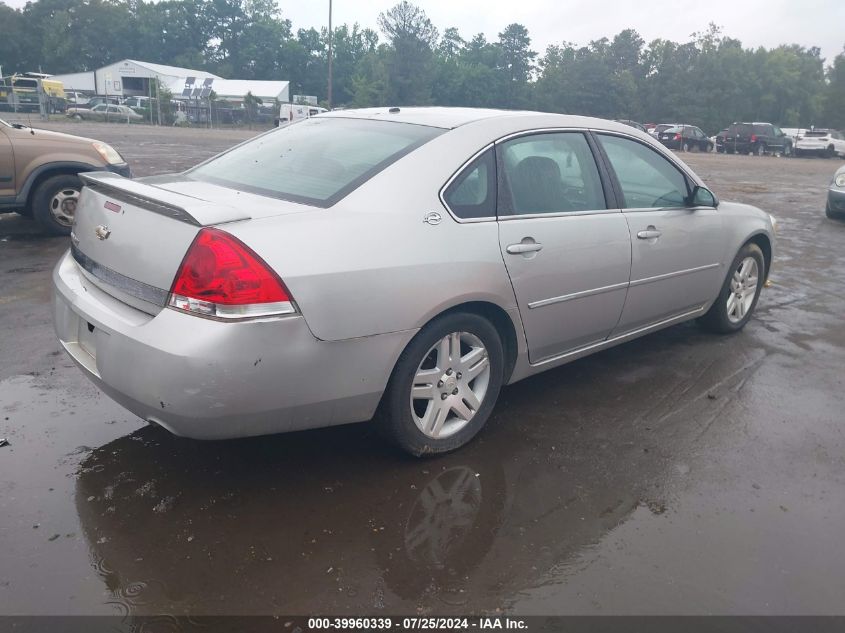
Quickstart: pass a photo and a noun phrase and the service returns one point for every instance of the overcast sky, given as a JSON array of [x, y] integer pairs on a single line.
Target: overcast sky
[[756, 22]]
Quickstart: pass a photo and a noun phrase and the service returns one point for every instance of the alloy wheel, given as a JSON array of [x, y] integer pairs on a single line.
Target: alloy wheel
[[744, 283], [450, 384]]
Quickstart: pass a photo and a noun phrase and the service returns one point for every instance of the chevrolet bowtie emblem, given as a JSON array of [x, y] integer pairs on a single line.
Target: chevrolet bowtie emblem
[[102, 232]]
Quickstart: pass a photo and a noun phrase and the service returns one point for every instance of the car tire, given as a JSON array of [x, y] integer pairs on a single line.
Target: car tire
[[787, 150], [432, 363], [760, 149], [54, 203], [738, 298], [77, 117], [830, 152]]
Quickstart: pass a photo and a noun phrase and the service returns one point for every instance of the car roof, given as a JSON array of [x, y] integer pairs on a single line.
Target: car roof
[[450, 118]]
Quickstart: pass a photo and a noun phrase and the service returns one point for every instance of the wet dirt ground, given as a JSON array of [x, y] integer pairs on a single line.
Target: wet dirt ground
[[683, 473]]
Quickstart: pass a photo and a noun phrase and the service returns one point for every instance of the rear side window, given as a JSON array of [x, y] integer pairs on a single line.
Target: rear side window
[[550, 173], [647, 179], [317, 161], [473, 193]]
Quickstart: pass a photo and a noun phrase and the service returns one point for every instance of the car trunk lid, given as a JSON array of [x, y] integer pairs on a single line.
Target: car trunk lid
[[129, 237]]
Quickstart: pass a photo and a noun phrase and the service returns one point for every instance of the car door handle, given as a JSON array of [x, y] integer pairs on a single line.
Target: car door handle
[[530, 247], [649, 234]]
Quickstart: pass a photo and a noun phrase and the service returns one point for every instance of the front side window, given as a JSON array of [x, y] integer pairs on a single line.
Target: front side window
[[550, 173], [473, 193], [317, 161], [648, 179]]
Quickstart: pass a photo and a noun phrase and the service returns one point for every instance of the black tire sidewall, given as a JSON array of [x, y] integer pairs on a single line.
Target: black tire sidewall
[[44, 194], [395, 413], [716, 318]]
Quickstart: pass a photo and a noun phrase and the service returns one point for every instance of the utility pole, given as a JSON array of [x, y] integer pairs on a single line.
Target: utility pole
[[330, 56]]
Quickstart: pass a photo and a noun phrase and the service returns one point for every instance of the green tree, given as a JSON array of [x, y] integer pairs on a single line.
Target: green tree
[[410, 58], [834, 94], [516, 63]]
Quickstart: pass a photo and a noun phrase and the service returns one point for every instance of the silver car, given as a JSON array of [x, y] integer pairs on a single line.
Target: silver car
[[105, 112], [397, 264], [836, 195]]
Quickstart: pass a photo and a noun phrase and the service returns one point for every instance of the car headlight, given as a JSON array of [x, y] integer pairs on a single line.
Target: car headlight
[[840, 180], [109, 154], [774, 222]]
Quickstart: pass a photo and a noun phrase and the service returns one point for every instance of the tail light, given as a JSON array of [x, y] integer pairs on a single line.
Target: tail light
[[753, 138], [221, 277], [677, 137]]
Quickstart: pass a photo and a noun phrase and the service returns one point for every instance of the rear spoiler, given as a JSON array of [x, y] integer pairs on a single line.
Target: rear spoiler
[[162, 201]]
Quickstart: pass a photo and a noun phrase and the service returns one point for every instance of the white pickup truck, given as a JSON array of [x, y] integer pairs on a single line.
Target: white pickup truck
[[291, 112]]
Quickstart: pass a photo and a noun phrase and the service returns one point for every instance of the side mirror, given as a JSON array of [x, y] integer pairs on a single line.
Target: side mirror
[[702, 197]]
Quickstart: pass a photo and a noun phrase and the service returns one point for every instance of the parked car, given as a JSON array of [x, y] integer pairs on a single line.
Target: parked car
[[754, 138], [105, 112], [100, 99], [820, 141], [38, 172], [75, 98], [836, 195], [793, 133], [633, 124], [658, 129], [686, 138], [291, 113], [441, 272], [139, 103]]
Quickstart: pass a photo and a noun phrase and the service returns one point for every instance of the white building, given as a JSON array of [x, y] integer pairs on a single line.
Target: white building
[[130, 77], [229, 89]]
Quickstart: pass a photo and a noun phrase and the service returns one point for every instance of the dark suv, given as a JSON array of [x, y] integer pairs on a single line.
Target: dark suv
[[754, 138]]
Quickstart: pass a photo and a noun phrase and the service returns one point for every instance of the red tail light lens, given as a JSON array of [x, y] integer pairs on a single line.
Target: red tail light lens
[[677, 137], [753, 138], [222, 277]]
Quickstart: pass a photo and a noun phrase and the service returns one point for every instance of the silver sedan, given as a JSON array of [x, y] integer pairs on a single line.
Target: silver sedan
[[399, 265]]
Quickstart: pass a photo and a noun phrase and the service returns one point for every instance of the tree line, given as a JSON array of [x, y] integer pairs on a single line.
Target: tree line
[[709, 80]]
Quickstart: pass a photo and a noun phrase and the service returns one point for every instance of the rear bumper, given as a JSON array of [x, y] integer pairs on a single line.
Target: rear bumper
[[811, 147], [742, 147], [207, 379]]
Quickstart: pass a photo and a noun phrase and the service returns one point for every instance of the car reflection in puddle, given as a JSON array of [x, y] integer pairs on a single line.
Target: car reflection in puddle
[[334, 522]]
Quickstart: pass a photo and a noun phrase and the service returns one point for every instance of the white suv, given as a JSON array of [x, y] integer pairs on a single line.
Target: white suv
[[821, 141]]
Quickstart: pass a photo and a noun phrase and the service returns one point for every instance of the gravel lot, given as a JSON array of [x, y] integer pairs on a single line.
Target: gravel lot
[[682, 473]]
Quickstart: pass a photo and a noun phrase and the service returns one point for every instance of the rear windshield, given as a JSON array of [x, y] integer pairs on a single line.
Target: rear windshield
[[818, 133], [317, 161]]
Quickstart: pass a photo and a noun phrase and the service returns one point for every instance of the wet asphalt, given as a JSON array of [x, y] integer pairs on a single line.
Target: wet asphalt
[[682, 473]]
